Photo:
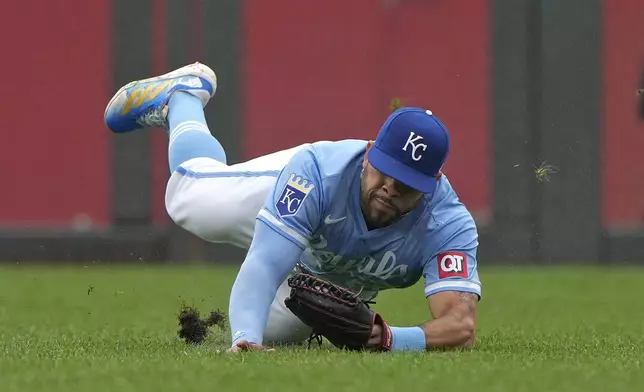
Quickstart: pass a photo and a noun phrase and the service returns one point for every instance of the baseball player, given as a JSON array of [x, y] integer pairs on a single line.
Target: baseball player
[[363, 215]]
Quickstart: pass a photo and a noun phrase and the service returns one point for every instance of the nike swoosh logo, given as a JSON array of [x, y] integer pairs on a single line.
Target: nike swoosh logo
[[330, 221]]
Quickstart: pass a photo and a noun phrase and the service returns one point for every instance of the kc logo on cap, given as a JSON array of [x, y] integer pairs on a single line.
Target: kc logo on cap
[[415, 141]]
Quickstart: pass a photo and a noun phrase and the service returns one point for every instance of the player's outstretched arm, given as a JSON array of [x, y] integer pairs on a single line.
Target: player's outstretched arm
[[282, 232], [270, 259]]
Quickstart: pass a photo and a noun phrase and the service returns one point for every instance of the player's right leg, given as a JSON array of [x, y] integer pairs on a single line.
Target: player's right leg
[[220, 203]]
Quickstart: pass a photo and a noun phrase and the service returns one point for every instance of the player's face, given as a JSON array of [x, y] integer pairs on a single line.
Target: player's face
[[384, 200]]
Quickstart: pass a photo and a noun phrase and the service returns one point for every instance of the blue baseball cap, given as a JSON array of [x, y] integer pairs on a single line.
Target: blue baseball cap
[[411, 147]]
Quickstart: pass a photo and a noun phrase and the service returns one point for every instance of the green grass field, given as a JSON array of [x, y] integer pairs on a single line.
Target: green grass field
[[113, 328]]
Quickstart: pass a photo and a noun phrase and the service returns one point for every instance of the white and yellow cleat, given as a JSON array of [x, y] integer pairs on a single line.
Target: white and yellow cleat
[[143, 103]]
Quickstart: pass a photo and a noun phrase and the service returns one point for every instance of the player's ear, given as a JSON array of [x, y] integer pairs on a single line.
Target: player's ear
[[365, 161]]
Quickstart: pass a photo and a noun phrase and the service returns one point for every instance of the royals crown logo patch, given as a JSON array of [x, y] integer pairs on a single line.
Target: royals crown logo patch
[[295, 192]]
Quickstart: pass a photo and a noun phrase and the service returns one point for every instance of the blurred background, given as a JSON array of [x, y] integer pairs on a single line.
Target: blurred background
[[521, 85]]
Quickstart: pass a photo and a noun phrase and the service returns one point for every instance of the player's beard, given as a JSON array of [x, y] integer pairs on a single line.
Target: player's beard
[[384, 212], [377, 211]]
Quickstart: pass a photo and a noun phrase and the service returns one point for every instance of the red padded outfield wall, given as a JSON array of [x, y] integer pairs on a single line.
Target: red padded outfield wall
[[55, 150], [623, 117], [328, 72]]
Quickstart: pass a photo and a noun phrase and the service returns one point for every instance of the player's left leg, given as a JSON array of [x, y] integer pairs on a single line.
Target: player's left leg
[[204, 195], [173, 101]]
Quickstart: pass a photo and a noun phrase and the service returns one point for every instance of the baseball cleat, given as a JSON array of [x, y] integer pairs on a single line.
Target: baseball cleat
[[143, 103]]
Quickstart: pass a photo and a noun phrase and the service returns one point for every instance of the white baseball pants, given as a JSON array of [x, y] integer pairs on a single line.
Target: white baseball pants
[[219, 203]]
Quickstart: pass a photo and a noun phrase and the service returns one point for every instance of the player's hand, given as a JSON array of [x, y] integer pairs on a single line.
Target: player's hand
[[376, 337], [244, 345]]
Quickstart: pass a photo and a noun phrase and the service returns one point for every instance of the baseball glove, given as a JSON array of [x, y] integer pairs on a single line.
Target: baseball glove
[[335, 313]]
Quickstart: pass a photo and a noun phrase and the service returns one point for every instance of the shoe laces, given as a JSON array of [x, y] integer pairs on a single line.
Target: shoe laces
[[157, 117], [312, 337]]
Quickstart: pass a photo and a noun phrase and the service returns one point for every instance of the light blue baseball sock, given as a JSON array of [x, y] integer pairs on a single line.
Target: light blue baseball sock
[[189, 134]]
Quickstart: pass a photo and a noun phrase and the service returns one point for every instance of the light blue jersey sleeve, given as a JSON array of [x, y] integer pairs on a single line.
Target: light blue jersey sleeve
[[453, 264], [284, 226], [269, 260], [294, 207]]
